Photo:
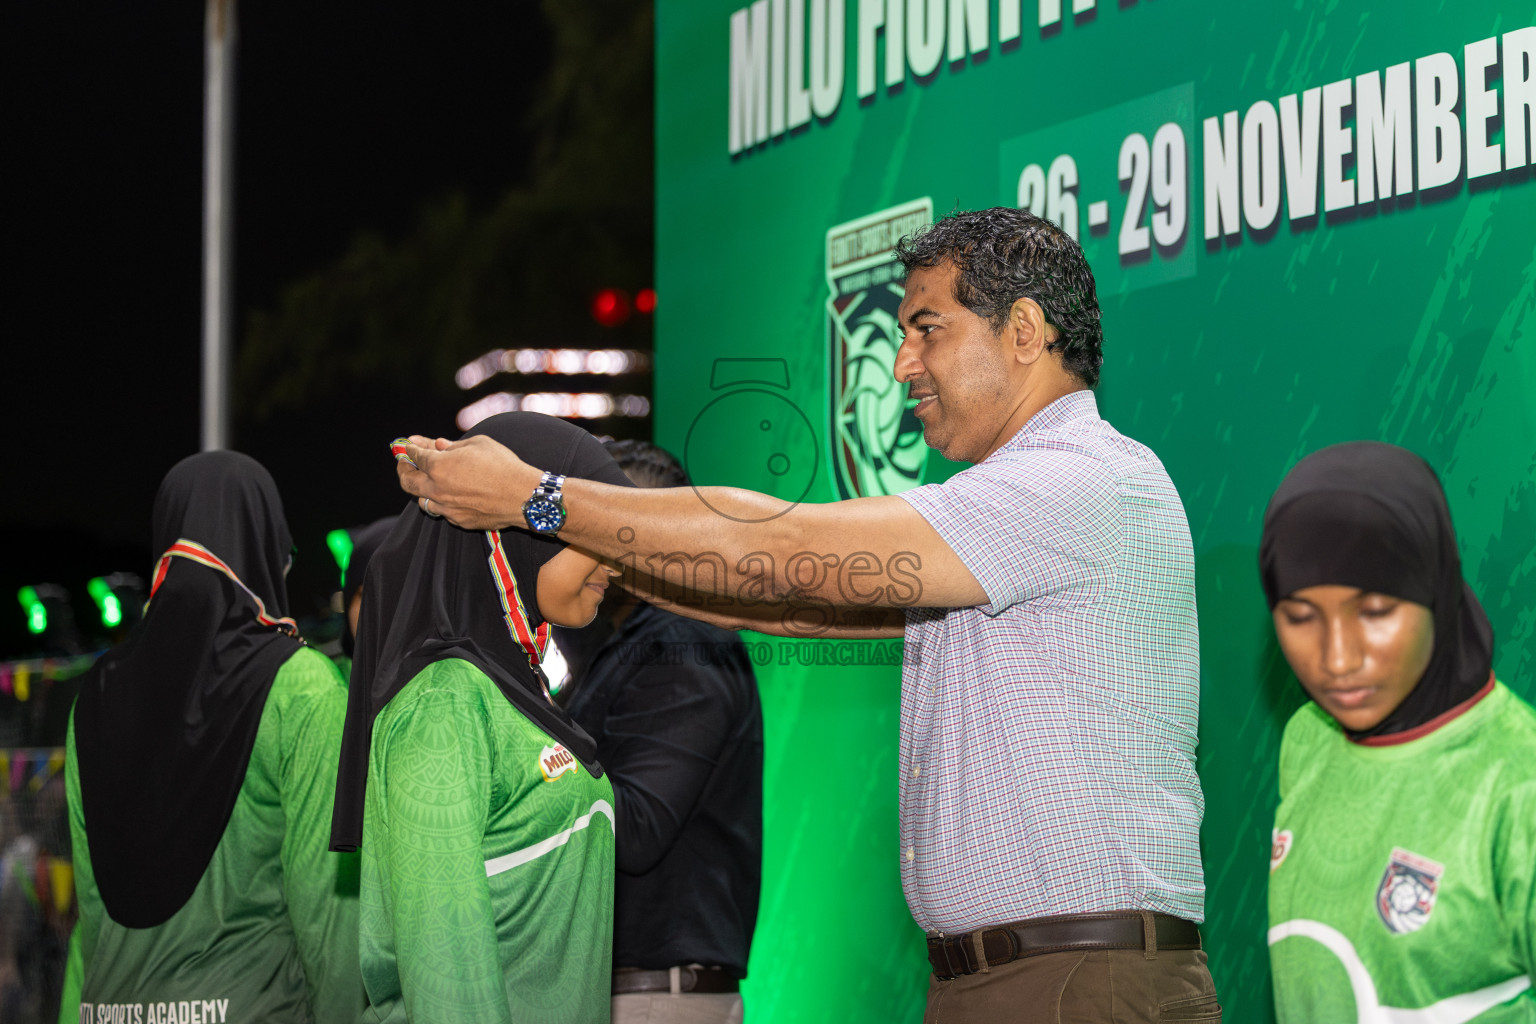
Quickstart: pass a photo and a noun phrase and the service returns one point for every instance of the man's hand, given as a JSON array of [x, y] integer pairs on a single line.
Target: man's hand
[[476, 483]]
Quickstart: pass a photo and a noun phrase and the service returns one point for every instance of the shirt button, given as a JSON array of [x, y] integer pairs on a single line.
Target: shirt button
[[917, 770], [910, 855]]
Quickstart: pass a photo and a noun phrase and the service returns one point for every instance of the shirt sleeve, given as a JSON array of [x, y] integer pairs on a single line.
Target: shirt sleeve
[[1028, 523], [432, 773], [82, 939], [74, 977], [1514, 851], [320, 886], [661, 739]]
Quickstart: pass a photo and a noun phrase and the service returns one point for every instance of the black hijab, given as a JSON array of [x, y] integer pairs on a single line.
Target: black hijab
[[365, 541], [434, 593], [1372, 515], [165, 723]]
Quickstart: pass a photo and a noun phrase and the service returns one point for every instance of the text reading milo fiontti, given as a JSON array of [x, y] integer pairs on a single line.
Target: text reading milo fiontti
[[184, 1011]]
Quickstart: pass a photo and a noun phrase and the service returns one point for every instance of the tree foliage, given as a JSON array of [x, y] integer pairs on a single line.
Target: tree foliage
[[402, 314]]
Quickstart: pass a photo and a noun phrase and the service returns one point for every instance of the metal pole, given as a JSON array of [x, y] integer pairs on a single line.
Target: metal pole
[[218, 215]]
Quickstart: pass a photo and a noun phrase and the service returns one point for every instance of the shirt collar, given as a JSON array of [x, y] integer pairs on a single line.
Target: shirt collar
[[1079, 405]]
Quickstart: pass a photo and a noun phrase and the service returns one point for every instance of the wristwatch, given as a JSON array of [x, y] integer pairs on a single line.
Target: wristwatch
[[545, 510]]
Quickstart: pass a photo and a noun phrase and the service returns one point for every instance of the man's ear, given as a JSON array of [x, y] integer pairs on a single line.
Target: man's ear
[[1027, 331]]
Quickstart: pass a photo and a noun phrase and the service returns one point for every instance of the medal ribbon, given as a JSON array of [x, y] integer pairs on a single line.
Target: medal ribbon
[[397, 449], [532, 641], [195, 552]]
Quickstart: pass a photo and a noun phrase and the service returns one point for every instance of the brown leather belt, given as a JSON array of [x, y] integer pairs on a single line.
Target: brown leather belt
[[628, 980], [952, 956]]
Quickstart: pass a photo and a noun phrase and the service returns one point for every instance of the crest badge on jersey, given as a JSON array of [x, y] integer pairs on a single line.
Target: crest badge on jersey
[[1406, 896], [556, 761], [876, 441], [1279, 847]]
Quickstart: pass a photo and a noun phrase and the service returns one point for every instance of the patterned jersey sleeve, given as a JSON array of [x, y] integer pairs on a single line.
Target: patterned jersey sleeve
[[310, 698], [428, 786], [1028, 523], [1514, 853], [89, 923]]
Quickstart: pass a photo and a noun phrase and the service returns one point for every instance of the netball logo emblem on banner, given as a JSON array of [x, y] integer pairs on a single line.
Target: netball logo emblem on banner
[[1406, 896], [877, 444]]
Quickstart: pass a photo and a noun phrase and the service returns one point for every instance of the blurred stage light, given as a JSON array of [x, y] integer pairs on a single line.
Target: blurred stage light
[[50, 616], [119, 597], [340, 543], [32, 605], [106, 602], [610, 307], [602, 362], [589, 405], [567, 361], [645, 300]]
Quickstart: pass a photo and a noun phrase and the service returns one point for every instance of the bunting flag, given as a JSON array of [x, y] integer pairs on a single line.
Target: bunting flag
[[195, 552], [19, 678]]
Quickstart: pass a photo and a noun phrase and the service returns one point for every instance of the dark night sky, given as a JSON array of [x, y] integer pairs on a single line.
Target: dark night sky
[[350, 117]]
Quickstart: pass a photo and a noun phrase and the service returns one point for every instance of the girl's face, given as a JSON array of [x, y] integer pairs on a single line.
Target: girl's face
[[571, 586], [1358, 654]]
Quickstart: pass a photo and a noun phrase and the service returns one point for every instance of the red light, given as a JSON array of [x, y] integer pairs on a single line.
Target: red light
[[645, 300], [610, 307]]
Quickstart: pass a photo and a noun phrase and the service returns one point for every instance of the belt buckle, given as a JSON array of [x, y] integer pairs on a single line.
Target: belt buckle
[[949, 964]]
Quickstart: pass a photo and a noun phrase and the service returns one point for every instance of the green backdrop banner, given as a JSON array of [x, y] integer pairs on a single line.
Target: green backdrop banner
[[1309, 222]]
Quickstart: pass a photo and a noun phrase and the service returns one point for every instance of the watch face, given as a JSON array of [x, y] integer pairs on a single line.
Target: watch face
[[543, 515]]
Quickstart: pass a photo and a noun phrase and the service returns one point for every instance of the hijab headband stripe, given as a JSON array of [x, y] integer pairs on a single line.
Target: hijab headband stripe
[[195, 552], [533, 642]]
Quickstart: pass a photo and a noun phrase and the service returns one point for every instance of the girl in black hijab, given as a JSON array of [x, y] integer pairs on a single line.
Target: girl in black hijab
[[1401, 873], [201, 762], [487, 840]]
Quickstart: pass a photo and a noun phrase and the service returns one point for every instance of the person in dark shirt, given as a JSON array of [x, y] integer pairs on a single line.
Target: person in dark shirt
[[673, 706], [365, 541]]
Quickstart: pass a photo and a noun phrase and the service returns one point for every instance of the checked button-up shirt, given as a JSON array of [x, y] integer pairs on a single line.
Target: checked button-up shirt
[[1048, 737]]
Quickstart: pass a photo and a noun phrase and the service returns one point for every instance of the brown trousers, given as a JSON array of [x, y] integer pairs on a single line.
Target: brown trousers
[[1102, 986]]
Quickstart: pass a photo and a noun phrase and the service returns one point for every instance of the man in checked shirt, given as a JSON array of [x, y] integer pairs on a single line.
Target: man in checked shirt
[[1050, 811]]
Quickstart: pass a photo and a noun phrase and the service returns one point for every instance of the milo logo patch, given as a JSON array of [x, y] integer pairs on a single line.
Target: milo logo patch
[[556, 761]]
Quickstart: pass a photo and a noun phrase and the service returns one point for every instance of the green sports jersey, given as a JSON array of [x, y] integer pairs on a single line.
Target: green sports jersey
[[487, 863], [1402, 885], [270, 932]]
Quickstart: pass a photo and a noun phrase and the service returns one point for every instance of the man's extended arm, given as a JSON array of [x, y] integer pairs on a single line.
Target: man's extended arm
[[801, 621], [864, 553]]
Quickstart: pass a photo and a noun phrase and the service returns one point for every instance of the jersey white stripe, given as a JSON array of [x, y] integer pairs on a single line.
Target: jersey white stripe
[[1457, 1009], [506, 862], [1461, 1008]]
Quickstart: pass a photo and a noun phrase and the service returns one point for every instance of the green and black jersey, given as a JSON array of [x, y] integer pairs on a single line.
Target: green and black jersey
[[487, 891], [270, 932], [1402, 882]]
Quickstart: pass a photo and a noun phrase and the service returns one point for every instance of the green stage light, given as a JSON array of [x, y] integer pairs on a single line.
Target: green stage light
[[111, 608], [340, 543], [37, 615]]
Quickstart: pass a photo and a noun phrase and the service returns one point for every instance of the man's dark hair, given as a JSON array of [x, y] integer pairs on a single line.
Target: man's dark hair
[[1003, 255], [648, 465]]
